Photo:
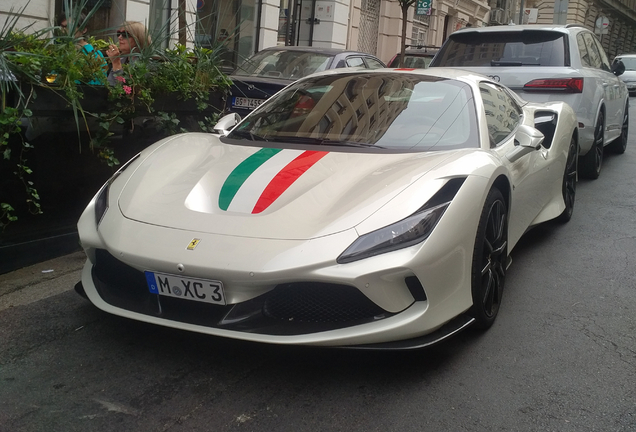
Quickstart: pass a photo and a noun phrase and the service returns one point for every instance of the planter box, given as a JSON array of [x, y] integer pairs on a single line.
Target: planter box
[[66, 173], [168, 103], [52, 102]]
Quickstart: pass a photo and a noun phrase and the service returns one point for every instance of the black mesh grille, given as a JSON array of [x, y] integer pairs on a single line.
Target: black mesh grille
[[319, 303], [121, 285], [289, 309]]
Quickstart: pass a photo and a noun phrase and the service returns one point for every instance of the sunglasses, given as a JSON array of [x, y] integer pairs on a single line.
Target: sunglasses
[[123, 33]]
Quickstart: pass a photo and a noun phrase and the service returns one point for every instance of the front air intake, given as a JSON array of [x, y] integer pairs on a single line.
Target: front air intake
[[314, 302]]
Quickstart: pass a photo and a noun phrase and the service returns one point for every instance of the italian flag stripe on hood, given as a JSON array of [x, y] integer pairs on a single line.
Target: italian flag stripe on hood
[[260, 179]]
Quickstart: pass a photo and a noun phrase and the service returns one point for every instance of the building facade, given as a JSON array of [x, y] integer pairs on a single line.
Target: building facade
[[372, 26], [614, 21]]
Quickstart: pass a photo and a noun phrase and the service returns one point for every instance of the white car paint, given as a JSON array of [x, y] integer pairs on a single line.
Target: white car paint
[[156, 209]]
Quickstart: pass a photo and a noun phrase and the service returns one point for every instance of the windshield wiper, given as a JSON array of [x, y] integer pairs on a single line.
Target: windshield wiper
[[246, 134], [350, 144], [505, 63], [299, 140], [323, 141]]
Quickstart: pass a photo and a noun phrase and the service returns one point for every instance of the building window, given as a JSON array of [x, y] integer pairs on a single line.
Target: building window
[[159, 21], [230, 24]]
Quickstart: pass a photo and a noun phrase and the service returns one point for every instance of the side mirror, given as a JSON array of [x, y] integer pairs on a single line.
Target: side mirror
[[618, 68], [527, 140], [227, 123]]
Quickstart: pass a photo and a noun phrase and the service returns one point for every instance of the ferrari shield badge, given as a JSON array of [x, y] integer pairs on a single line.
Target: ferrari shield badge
[[193, 244]]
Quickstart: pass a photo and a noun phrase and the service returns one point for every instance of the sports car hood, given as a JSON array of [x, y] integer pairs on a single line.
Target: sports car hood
[[197, 183]]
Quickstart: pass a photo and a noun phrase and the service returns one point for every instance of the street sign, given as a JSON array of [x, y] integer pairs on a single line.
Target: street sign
[[602, 25], [423, 7]]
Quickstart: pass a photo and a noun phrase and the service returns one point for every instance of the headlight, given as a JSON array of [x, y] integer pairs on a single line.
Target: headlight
[[407, 232], [101, 202]]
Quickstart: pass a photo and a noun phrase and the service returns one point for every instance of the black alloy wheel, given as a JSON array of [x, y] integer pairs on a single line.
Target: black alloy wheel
[[593, 160], [569, 181], [490, 258], [619, 145]]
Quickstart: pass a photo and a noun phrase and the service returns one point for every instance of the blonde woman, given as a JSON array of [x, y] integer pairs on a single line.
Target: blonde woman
[[131, 37]]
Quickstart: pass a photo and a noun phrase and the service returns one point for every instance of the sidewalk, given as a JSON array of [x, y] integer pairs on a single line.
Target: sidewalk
[[41, 280]]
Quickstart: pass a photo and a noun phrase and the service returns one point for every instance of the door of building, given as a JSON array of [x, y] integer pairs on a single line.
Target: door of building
[[296, 22]]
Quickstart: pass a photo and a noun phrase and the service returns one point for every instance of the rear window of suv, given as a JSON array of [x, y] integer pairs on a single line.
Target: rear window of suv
[[512, 48]]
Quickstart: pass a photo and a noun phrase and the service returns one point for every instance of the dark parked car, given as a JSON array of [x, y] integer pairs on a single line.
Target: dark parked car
[[271, 69], [415, 56]]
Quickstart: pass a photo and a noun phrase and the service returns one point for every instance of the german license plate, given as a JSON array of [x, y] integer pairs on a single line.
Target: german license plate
[[201, 290], [241, 102]]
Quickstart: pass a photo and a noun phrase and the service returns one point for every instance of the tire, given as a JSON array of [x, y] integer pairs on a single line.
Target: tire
[[568, 188], [619, 145], [490, 257], [592, 162]]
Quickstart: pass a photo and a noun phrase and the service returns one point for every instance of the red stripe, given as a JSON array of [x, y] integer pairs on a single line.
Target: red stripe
[[286, 177]]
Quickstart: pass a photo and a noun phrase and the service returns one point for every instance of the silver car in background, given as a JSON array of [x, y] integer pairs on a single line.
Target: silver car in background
[[629, 76], [544, 63]]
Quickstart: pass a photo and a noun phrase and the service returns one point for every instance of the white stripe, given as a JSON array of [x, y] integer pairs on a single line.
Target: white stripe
[[250, 191]]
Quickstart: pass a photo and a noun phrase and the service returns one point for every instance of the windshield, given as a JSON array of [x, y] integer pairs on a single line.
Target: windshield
[[413, 61], [629, 62], [397, 111], [504, 48], [284, 64]]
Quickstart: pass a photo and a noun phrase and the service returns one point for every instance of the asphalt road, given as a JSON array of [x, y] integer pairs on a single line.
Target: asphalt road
[[561, 356]]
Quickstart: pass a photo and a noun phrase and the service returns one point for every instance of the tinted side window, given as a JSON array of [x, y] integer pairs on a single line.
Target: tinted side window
[[604, 60], [373, 63], [503, 48], [502, 113], [355, 62], [585, 56], [592, 49]]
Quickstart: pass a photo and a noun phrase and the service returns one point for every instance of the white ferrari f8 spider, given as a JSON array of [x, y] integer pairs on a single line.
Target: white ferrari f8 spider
[[366, 208]]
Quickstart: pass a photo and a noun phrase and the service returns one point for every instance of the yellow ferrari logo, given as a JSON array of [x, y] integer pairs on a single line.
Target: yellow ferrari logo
[[193, 244]]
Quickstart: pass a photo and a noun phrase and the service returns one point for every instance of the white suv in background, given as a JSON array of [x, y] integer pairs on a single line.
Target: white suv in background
[[552, 63]]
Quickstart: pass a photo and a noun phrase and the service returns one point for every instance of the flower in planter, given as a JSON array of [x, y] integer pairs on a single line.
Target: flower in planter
[[127, 89]]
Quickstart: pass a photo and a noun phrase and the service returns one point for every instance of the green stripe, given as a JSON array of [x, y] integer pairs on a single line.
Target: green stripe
[[236, 179]]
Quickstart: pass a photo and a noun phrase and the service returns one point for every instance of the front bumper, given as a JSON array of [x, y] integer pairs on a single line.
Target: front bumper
[[400, 295]]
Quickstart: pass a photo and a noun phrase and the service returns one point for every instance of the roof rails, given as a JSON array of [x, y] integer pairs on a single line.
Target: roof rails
[[574, 25]]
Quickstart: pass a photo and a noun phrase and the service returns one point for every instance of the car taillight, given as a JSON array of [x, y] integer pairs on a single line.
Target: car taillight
[[567, 85], [304, 105]]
